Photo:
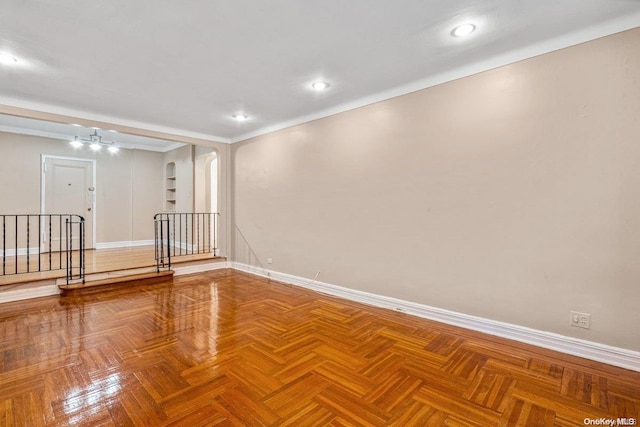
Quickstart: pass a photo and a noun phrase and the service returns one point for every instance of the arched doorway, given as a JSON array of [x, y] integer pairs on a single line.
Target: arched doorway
[[206, 185]]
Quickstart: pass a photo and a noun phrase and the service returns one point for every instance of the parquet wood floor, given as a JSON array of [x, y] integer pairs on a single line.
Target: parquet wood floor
[[228, 348]]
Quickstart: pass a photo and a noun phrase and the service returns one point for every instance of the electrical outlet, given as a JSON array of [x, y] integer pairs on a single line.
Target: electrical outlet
[[269, 260], [581, 320]]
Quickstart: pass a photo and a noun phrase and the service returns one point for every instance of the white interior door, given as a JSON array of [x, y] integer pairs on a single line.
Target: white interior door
[[69, 188]]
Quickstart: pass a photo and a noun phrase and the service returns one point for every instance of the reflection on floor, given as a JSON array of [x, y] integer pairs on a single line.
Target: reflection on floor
[[228, 348]]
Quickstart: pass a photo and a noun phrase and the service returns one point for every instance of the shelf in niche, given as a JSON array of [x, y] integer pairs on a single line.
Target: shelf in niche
[[170, 187]]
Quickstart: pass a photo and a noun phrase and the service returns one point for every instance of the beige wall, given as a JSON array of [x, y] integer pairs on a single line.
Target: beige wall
[[146, 199], [512, 195], [128, 184]]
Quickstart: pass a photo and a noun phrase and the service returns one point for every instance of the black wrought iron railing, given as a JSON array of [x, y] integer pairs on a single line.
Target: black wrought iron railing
[[184, 233], [43, 242]]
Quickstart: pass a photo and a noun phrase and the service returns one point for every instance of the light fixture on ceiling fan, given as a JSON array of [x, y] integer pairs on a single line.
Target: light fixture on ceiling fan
[[95, 142]]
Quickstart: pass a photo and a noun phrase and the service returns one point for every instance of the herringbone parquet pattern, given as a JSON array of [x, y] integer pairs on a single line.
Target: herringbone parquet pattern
[[227, 348]]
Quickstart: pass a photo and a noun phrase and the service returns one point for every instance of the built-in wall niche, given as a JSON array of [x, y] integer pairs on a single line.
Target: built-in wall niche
[[170, 187]]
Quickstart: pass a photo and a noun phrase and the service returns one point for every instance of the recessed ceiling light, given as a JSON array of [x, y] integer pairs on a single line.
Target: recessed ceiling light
[[320, 85], [93, 127], [7, 59], [463, 30], [240, 117], [76, 125], [113, 131]]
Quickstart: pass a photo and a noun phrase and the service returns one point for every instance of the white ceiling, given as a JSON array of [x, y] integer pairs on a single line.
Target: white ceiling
[[186, 67]]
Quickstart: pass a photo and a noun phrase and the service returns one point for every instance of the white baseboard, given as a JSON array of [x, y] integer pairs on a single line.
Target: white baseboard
[[179, 270], [187, 247], [106, 245], [10, 293], [623, 358], [616, 356], [21, 251], [124, 244]]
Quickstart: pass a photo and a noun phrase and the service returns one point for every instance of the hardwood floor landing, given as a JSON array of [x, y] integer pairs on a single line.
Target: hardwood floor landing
[[96, 261], [228, 348]]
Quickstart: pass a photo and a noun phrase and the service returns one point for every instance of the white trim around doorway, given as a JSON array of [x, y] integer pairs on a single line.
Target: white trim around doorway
[[43, 159]]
